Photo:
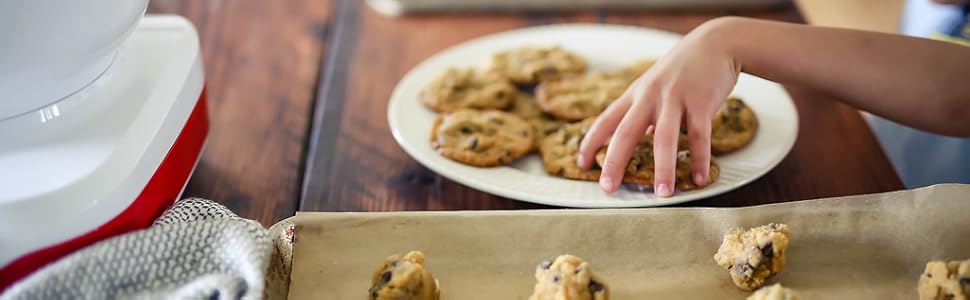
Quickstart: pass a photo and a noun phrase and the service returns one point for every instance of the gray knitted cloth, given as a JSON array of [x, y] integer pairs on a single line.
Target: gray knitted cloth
[[197, 249]]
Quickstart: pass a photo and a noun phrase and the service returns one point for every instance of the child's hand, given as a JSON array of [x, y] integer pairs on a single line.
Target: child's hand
[[687, 85]]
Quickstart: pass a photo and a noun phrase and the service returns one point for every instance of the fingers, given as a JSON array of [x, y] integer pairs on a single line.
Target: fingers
[[627, 134], [699, 140], [601, 130], [665, 148]]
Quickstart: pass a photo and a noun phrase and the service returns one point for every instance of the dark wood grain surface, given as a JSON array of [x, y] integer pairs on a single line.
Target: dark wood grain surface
[[261, 63], [299, 93]]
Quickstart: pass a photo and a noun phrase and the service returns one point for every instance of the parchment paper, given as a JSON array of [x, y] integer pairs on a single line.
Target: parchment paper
[[859, 247]]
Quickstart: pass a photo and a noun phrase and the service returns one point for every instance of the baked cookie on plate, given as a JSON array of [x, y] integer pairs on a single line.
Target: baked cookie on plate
[[576, 98], [456, 89], [525, 107], [640, 169], [560, 148], [483, 138], [733, 126], [632, 72], [531, 64]]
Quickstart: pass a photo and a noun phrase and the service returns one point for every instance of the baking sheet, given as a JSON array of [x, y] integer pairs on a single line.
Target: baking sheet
[[859, 247]]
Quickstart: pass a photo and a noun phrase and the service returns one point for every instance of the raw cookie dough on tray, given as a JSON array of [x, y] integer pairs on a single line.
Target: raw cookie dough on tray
[[945, 280], [568, 278], [567, 99], [775, 292], [404, 278], [755, 255]]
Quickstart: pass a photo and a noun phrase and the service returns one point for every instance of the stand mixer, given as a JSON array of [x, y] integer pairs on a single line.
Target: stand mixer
[[102, 120]]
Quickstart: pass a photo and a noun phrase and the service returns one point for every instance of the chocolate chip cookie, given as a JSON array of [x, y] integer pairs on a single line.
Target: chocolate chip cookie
[[640, 169], [575, 98], [733, 126], [755, 255], [456, 89], [568, 278], [775, 292], [560, 148], [404, 278], [632, 72], [948, 280], [525, 107], [530, 65], [483, 138]]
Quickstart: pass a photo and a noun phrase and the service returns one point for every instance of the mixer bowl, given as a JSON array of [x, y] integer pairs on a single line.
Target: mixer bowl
[[53, 48]]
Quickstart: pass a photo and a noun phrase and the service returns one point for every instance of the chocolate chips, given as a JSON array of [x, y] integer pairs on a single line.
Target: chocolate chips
[[549, 70], [595, 287], [768, 251], [473, 143], [385, 277], [466, 129], [545, 265], [743, 268]]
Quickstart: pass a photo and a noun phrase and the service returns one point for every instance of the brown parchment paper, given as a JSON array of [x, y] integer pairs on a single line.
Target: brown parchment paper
[[859, 247]]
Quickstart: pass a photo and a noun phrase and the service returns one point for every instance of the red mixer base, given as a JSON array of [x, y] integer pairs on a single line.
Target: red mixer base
[[159, 193]]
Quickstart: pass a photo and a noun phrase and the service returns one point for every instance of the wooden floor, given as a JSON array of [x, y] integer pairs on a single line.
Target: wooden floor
[[298, 94]]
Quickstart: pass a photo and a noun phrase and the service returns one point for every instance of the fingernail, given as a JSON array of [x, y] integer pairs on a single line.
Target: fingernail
[[699, 179], [663, 190], [581, 161], [606, 184]]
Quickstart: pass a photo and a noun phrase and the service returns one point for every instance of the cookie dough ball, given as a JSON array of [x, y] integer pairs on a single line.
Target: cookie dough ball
[[530, 65], [948, 280], [404, 278], [755, 255], [733, 126], [456, 89], [568, 278], [775, 292], [481, 138]]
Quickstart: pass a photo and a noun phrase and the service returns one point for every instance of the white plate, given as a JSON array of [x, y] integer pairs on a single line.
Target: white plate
[[606, 47]]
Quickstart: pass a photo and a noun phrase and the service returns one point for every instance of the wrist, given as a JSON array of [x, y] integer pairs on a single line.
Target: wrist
[[721, 35]]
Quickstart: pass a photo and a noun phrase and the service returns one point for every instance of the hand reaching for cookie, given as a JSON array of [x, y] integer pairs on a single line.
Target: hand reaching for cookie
[[917, 82], [685, 87]]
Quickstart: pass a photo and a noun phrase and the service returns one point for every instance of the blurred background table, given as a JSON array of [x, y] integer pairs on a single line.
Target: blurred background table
[[298, 94]]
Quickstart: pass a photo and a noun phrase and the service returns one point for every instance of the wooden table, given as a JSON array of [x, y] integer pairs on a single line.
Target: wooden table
[[298, 93]]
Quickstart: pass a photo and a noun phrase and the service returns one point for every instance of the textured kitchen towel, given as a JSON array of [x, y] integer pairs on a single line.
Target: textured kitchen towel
[[197, 249]]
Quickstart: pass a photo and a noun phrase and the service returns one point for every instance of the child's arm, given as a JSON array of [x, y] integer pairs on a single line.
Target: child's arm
[[917, 82]]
